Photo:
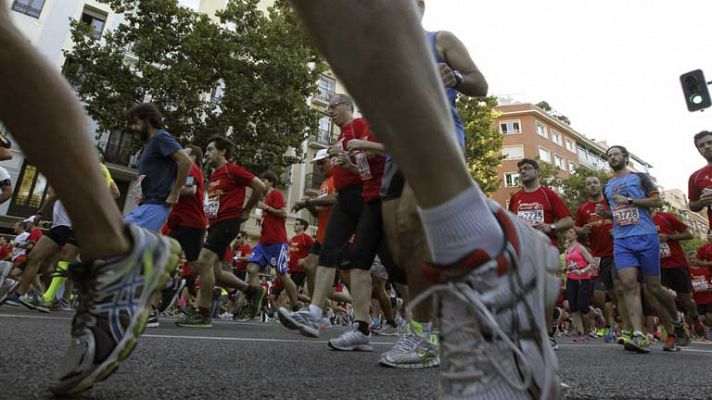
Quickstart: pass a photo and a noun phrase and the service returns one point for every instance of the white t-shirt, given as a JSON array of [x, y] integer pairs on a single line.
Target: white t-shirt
[[20, 240], [4, 175], [59, 215]]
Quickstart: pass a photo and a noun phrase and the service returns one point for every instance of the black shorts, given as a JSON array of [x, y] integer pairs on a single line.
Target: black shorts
[[298, 278], [677, 279], [605, 272], [393, 181], [190, 239], [240, 273], [220, 234], [578, 293], [315, 248], [61, 235], [342, 224], [704, 309]]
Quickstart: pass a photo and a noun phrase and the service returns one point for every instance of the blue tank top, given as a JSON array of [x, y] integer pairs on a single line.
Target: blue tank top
[[451, 94]]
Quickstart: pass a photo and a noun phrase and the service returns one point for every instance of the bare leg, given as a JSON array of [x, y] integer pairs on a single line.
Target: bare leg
[[631, 296], [380, 293], [361, 288], [203, 267], [56, 121]]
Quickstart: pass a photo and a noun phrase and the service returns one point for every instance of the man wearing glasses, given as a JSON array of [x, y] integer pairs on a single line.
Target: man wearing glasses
[[538, 206]]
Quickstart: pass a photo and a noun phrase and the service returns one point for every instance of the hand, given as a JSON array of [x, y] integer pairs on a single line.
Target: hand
[[335, 150], [600, 210], [706, 197], [620, 199], [663, 237], [356, 144], [586, 229], [447, 75], [546, 228], [343, 160], [262, 206], [172, 198], [244, 216], [299, 205]]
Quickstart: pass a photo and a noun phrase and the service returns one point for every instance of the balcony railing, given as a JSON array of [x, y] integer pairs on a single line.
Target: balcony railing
[[28, 9], [322, 137], [313, 182], [324, 94]]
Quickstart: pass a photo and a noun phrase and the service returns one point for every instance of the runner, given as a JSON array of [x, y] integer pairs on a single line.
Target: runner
[[226, 210], [699, 188], [636, 248], [579, 286], [299, 246], [123, 265]]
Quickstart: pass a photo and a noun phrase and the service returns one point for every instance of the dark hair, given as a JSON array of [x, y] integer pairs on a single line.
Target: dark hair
[[270, 176], [700, 135], [198, 153], [303, 222], [243, 234], [222, 144], [529, 161], [619, 147], [148, 112]]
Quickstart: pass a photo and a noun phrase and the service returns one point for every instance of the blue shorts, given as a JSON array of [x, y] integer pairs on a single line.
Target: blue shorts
[[149, 216], [275, 255], [642, 252]]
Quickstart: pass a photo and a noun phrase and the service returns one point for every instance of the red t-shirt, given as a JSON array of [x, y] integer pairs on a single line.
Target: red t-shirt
[[671, 253], [228, 255], [4, 251], [226, 192], [243, 251], [189, 211], [601, 241], [298, 249], [323, 213], [343, 178], [699, 181], [370, 170], [35, 235], [542, 205], [701, 285], [704, 253], [273, 229]]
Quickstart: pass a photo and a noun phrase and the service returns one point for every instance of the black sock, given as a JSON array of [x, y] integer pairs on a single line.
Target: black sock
[[363, 327], [295, 308], [392, 323]]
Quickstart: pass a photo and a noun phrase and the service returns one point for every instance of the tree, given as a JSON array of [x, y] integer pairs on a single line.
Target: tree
[[573, 189], [549, 110], [483, 143], [246, 76]]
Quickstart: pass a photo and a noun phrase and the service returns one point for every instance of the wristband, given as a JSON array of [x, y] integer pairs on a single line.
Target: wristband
[[458, 78]]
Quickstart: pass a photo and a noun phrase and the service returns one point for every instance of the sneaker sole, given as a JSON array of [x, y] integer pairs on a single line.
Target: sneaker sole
[[630, 346], [194, 325], [361, 347], [291, 324], [127, 345], [428, 364]]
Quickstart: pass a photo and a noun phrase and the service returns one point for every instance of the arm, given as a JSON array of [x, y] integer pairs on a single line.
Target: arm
[[6, 192], [184, 162], [188, 191], [458, 58], [279, 212], [47, 206], [258, 187], [653, 201], [564, 224], [364, 145], [115, 192]]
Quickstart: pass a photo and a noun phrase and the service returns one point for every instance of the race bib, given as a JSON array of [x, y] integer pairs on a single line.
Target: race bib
[[212, 205], [531, 217], [664, 250], [571, 266], [626, 215], [595, 266], [364, 170], [700, 284]]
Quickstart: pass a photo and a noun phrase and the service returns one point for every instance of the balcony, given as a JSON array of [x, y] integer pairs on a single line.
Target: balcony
[[312, 183], [321, 139]]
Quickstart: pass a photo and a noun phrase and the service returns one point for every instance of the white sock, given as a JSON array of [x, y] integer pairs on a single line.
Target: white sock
[[461, 225], [315, 312]]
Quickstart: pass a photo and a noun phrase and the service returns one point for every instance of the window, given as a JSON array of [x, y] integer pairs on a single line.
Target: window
[[541, 130], [570, 145], [29, 193], [515, 152], [327, 88], [95, 19], [556, 137], [572, 167], [122, 148], [544, 155], [33, 8], [324, 134], [510, 127], [560, 162], [511, 179]]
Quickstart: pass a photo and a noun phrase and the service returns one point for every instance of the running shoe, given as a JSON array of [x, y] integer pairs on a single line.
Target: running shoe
[[152, 321], [352, 340], [580, 338], [301, 320], [13, 299], [600, 332], [483, 303], [114, 300], [556, 321], [608, 335], [683, 339], [387, 330], [7, 290], [553, 344], [170, 294], [699, 329], [195, 320], [638, 343], [34, 301], [413, 351], [624, 337], [671, 344]]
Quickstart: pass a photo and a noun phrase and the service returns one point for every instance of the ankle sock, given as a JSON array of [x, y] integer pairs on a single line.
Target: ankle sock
[[363, 327], [460, 225], [315, 312]]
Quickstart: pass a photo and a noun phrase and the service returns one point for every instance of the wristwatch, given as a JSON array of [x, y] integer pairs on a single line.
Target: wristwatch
[[630, 201], [458, 78], [552, 227]]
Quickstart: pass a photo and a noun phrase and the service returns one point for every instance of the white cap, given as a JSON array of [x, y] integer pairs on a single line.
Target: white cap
[[320, 155]]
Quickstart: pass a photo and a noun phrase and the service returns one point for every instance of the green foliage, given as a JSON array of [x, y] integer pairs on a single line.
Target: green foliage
[[180, 59], [546, 107], [483, 144], [692, 245]]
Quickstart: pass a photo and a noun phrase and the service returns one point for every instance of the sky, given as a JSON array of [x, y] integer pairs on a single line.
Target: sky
[[612, 67]]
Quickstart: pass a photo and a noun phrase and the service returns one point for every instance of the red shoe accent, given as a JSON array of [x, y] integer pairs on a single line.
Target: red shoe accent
[[442, 273]]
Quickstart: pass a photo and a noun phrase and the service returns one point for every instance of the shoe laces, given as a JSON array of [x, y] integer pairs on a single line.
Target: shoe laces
[[84, 281], [407, 342], [460, 368]]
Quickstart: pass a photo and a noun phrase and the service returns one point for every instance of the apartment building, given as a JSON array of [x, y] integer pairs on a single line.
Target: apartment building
[[676, 202], [531, 132]]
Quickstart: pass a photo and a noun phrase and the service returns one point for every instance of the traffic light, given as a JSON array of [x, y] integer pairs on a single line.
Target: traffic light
[[694, 86]]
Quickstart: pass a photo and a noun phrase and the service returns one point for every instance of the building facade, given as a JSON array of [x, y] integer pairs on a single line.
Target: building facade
[[676, 202]]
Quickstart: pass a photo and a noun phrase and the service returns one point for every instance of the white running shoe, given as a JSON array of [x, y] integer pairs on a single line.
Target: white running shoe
[[352, 340]]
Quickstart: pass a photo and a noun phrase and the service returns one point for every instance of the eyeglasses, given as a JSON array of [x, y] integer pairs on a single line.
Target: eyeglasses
[[333, 106], [526, 168]]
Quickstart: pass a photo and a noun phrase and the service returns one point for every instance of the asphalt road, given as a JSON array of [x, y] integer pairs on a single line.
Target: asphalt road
[[266, 361]]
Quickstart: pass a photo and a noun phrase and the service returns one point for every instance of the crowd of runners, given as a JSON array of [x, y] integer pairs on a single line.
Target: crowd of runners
[[400, 223]]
